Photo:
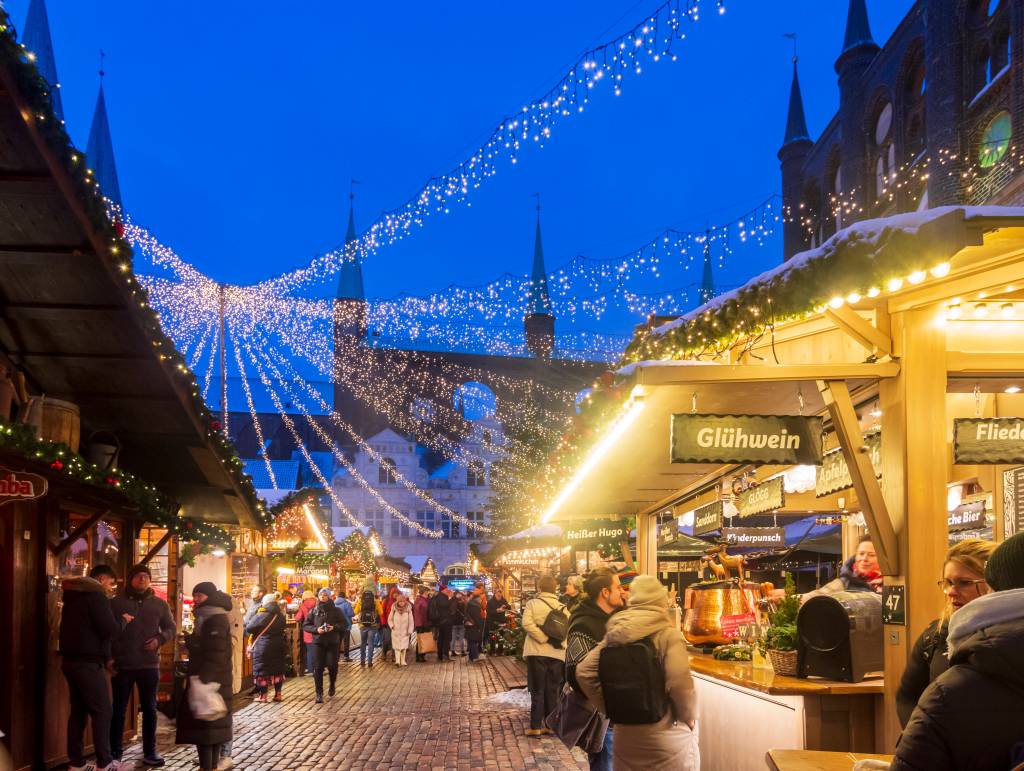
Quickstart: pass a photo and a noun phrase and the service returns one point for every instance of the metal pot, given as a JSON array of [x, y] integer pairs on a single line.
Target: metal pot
[[708, 604]]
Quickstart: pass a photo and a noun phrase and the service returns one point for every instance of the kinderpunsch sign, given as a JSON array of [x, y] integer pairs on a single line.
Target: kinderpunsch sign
[[757, 439]]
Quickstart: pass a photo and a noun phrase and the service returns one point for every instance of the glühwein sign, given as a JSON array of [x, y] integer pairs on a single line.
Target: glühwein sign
[[757, 439]]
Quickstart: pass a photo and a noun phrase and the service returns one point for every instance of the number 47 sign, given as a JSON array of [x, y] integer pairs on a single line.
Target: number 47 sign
[[894, 605]]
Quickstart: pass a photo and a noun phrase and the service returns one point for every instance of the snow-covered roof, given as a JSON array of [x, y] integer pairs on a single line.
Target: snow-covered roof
[[873, 232]]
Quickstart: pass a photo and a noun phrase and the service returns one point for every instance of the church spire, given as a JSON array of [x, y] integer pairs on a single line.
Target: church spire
[[796, 123], [38, 41], [350, 279], [858, 30], [540, 301], [100, 149], [540, 322]]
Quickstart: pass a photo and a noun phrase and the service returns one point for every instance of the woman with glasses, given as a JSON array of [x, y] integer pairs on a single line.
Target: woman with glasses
[[963, 580]]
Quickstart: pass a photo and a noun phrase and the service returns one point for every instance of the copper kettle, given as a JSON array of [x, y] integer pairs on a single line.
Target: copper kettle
[[733, 600]]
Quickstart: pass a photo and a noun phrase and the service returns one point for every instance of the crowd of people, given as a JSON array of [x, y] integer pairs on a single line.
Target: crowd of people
[[607, 669]]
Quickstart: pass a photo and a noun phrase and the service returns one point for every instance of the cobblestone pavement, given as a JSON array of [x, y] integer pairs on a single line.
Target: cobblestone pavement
[[425, 717]]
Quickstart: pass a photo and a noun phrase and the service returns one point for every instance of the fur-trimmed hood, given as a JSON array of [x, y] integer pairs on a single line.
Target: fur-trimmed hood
[[82, 584]]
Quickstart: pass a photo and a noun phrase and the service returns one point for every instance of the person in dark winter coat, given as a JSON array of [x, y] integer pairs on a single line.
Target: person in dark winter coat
[[497, 607], [442, 616], [325, 624], [963, 581], [209, 660], [343, 604], [87, 626], [573, 593], [972, 716], [474, 623], [421, 617], [269, 647], [147, 626], [602, 596], [860, 573]]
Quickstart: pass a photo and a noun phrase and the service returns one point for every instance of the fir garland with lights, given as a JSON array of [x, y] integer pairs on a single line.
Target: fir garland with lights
[[153, 507]]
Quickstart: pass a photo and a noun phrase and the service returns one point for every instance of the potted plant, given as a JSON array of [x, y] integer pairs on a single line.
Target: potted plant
[[779, 641]]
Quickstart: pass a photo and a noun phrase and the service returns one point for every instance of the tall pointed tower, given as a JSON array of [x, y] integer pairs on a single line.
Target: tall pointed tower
[[99, 152], [707, 283], [796, 144], [350, 323], [539, 322], [38, 41], [859, 50]]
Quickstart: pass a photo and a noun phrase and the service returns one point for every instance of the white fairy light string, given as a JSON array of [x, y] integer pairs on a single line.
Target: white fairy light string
[[252, 412]]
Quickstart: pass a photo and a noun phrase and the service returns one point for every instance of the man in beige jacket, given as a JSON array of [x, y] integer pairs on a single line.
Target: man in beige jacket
[[545, 658], [671, 743]]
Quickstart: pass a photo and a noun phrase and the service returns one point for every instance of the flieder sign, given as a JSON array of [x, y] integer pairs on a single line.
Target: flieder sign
[[758, 439], [988, 440]]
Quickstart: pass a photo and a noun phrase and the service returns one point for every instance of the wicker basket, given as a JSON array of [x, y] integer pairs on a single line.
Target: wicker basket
[[783, 662]]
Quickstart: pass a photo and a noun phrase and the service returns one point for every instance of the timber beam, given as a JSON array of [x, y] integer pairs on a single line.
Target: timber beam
[[865, 483], [762, 373], [860, 329], [984, 364]]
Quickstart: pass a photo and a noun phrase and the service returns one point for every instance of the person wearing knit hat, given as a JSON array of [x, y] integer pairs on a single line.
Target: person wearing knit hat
[[271, 597], [971, 716], [644, 627], [268, 647], [148, 625]]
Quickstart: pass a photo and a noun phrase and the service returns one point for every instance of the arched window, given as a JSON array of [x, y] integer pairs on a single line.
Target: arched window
[[475, 401], [386, 472], [914, 90], [995, 140], [885, 152], [475, 474]]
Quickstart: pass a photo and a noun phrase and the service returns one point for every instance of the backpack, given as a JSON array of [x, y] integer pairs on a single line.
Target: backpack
[[368, 609], [556, 625], [633, 683]]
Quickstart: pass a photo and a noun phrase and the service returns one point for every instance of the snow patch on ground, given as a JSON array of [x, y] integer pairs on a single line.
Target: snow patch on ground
[[517, 698]]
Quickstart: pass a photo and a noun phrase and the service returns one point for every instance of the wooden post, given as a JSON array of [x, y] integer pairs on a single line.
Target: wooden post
[[647, 544], [78, 532], [914, 465]]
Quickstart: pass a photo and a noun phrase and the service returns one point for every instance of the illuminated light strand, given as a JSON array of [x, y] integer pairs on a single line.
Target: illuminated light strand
[[649, 40], [290, 425], [252, 412], [376, 456], [340, 456], [210, 364]]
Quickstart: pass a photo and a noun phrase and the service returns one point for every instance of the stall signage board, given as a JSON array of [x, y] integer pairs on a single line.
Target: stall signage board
[[708, 519], [967, 516], [754, 536], [756, 439], [731, 624], [988, 440], [834, 474], [668, 532], [894, 605], [1013, 501], [20, 486], [767, 496], [596, 531]]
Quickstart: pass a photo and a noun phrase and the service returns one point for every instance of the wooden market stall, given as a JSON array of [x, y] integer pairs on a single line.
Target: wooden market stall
[[904, 339], [83, 360]]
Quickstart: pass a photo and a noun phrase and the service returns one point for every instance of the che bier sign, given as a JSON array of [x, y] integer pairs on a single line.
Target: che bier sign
[[767, 496], [988, 440], [20, 486], [834, 474], [708, 519], [758, 439], [597, 531]]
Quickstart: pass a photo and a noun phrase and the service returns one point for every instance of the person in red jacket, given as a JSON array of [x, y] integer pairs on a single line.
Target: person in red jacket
[[385, 629], [305, 662], [421, 617]]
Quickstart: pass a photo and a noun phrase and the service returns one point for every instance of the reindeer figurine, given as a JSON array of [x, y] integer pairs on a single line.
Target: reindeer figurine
[[720, 563]]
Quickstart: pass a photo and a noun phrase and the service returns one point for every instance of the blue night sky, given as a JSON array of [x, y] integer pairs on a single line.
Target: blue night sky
[[237, 126]]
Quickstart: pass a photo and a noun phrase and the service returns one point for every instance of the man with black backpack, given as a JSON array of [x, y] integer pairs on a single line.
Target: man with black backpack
[[639, 677], [368, 612], [546, 625]]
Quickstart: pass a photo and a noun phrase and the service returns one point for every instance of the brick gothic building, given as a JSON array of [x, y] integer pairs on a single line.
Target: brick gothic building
[[945, 94]]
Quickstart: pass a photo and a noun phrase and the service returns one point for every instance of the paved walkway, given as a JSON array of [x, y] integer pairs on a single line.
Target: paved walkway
[[425, 717]]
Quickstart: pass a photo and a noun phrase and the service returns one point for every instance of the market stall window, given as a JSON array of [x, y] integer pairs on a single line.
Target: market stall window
[[158, 564], [101, 544]]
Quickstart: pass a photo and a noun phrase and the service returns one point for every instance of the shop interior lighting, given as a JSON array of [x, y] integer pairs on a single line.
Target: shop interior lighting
[[285, 571], [953, 312], [875, 413], [980, 310], [1014, 389], [615, 431], [1006, 310], [836, 302], [894, 285], [941, 270], [218, 552], [874, 291], [917, 277], [853, 298]]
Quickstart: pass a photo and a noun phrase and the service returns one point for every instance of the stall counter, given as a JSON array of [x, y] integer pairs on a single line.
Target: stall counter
[[809, 760], [744, 713]]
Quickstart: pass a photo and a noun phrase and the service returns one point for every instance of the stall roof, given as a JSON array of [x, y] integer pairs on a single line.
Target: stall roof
[[74, 320]]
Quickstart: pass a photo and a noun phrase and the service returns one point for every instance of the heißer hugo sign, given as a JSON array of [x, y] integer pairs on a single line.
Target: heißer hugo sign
[[758, 439], [20, 486], [988, 440], [597, 531]]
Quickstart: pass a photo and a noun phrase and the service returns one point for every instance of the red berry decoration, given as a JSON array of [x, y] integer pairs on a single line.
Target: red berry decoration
[[57, 465], [119, 229], [215, 425]]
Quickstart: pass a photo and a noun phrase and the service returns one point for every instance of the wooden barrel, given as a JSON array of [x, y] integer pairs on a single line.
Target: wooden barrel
[[61, 422]]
